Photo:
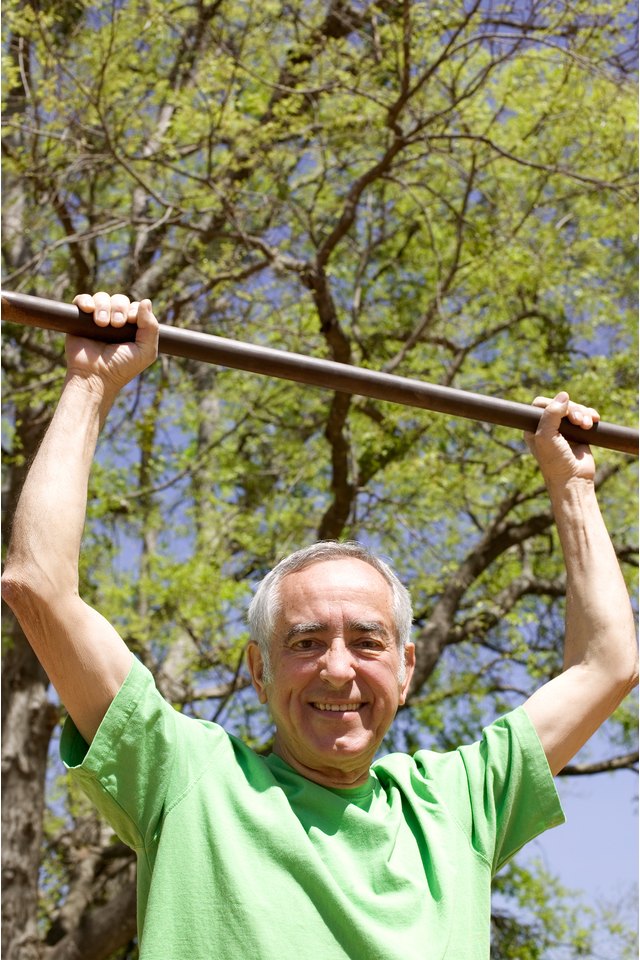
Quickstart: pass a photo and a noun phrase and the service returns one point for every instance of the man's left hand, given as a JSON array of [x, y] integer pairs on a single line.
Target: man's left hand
[[559, 459]]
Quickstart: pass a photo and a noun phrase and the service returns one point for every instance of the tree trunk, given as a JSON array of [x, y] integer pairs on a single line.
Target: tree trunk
[[28, 719]]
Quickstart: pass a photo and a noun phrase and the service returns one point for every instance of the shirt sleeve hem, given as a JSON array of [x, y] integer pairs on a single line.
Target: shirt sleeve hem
[[81, 757], [546, 800]]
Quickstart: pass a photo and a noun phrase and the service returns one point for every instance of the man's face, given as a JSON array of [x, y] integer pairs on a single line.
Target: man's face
[[334, 663]]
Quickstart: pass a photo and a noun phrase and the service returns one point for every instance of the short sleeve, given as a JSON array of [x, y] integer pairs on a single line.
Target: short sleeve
[[126, 771], [512, 793]]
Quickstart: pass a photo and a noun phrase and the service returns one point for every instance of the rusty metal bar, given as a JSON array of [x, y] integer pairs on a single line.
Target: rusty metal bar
[[176, 342]]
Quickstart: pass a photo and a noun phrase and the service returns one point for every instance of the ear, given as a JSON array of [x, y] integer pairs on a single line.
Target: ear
[[410, 663], [255, 664]]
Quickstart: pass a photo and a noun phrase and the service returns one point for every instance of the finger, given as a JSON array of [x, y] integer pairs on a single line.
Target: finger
[[541, 402], [102, 308], [148, 328], [145, 316], [119, 309], [582, 416], [554, 409], [84, 302], [529, 435]]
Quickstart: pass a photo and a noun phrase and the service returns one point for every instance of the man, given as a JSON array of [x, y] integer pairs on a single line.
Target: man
[[312, 851]]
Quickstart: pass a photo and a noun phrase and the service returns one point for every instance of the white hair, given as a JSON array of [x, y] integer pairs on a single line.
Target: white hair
[[265, 605]]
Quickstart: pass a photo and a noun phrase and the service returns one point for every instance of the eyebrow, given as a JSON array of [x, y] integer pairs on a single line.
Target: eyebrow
[[311, 626], [353, 626], [373, 627]]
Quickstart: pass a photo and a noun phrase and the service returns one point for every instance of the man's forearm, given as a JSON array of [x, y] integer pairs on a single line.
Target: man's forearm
[[600, 653], [49, 520], [599, 621], [82, 654]]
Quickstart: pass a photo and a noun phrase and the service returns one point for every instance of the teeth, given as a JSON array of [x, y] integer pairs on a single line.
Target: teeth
[[337, 707]]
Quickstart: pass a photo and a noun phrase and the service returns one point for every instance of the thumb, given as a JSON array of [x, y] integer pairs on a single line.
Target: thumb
[[554, 409], [147, 334], [553, 412]]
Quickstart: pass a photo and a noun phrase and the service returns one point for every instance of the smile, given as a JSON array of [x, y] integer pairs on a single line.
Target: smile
[[337, 707]]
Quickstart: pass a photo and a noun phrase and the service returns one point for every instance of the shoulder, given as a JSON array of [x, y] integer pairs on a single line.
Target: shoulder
[[499, 790], [511, 733], [506, 761], [139, 725], [147, 758]]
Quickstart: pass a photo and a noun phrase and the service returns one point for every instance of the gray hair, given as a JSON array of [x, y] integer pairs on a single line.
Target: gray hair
[[265, 605]]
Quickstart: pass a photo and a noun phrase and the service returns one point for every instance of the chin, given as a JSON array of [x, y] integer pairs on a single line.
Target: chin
[[346, 747]]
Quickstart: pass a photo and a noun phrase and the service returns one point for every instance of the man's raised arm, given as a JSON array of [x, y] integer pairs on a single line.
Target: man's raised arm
[[600, 653], [81, 652]]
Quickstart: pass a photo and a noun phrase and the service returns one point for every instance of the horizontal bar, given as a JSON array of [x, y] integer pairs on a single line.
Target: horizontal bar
[[344, 378]]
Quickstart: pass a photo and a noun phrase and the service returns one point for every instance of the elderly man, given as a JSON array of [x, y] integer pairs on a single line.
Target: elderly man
[[315, 850]]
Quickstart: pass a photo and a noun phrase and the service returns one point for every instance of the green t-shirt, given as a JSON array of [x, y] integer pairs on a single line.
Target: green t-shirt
[[241, 858]]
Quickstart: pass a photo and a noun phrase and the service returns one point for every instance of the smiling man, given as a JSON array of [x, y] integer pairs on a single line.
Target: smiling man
[[318, 850], [332, 667]]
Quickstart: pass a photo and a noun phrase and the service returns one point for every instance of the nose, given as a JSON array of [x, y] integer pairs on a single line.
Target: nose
[[337, 665]]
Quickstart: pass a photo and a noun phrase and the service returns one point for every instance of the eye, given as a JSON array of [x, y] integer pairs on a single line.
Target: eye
[[304, 643], [369, 643]]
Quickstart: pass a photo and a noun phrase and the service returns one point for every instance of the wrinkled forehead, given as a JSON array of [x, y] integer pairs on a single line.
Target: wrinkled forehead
[[350, 587], [350, 572]]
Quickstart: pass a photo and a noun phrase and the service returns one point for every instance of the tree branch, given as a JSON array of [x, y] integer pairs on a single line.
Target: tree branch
[[100, 931], [439, 631], [626, 761]]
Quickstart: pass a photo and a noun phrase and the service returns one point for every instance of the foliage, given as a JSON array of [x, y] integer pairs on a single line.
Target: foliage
[[442, 191]]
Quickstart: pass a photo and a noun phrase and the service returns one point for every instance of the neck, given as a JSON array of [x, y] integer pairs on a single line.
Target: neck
[[339, 777]]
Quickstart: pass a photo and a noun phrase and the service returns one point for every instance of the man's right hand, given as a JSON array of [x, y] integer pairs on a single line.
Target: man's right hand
[[105, 366], [81, 652]]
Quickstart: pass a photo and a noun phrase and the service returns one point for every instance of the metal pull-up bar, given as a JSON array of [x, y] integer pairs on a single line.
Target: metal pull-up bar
[[344, 378]]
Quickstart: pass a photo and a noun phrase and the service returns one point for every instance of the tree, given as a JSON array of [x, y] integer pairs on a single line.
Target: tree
[[443, 191]]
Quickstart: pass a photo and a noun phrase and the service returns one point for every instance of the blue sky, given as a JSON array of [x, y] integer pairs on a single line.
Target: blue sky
[[597, 849], [595, 853]]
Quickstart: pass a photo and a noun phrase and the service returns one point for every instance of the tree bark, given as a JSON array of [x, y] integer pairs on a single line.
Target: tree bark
[[28, 719]]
